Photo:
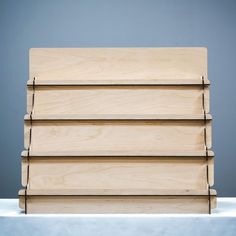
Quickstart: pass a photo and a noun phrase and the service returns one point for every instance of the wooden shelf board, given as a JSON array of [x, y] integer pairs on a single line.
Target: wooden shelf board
[[121, 153], [146, 82], [117, 117], [102, 192]]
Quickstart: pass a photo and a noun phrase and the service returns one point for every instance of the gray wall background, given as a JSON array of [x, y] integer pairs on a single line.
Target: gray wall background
[[121, 23]]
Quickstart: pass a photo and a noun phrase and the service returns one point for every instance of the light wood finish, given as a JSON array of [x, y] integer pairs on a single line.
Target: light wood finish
[[133, 192], [118, 130], [117, 100], [112, 136], [169, 117], [148, 82], [116, 173], [121, 153], [117, 204], [115, 64]]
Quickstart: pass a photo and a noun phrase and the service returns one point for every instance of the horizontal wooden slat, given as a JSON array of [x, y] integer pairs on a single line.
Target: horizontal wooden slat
[[115, 64], [116, 117], [132, 192], [133, 153], [116, 173], [148, 82], [118, 204], [126, 100], [115, 136]]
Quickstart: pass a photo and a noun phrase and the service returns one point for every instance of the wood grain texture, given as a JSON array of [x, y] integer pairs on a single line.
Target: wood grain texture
[[132, 192], [115, 136], [118, 130], [117, 100], [117, 204], [116, 173], [91, 64]]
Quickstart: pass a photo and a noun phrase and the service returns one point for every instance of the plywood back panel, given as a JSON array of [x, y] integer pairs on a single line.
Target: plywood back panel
[[127, 64], [122, 100]]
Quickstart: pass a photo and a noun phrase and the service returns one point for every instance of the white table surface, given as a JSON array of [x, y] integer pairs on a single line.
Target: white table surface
[[221, 222]]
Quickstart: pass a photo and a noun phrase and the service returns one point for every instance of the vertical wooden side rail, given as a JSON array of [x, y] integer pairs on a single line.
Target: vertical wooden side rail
[[205, 143], [28, 151]]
